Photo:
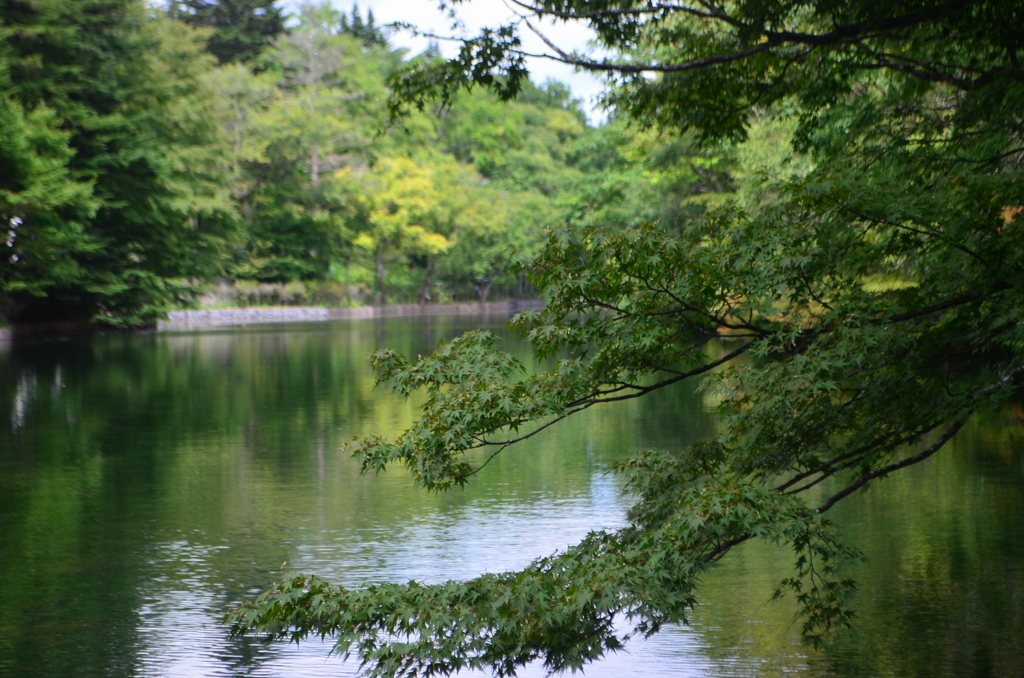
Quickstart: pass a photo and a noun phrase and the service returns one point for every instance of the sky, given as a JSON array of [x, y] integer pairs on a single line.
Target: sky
[[475, 15]]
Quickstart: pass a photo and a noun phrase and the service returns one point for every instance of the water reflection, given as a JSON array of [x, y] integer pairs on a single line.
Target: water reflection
[[149, 482]]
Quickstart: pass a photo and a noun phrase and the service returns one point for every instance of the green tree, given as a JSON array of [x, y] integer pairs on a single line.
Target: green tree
[[402, 210], [502, 228], [42, 209], [125, 88], [524, 150], [522, 144], [627, 177], [242, 29], [312, 58], [241, 97], [314, 111]]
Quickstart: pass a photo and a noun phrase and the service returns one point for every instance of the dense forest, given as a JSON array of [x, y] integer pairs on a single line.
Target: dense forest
[[161, 156]]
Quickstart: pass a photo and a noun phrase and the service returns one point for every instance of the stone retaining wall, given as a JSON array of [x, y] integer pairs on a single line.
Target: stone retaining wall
[[236, 316], [245, 316]]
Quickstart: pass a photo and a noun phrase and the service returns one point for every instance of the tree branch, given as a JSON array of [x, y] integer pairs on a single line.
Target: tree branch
[[865, 478], [650, 9], [845, 34], [947, 304], [640, 391]]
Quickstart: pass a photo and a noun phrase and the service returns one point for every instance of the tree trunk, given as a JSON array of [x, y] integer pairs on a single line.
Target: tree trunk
[[314, 166], [425, 294], [378, 296]]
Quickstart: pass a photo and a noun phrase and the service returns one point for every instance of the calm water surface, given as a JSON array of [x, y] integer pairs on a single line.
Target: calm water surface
[[150, 482]]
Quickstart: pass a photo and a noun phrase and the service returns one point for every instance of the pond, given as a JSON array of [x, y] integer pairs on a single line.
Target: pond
[[149, 482]]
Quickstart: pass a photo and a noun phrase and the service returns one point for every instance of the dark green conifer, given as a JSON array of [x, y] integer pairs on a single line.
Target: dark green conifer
[[366, 32], [242, 28], [115, 121]]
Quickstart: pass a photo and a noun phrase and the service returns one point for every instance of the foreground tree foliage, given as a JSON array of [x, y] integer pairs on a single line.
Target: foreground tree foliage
[[871, 304]]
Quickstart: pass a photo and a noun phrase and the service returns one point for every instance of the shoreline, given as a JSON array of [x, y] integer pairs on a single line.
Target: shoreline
[[224, 317]]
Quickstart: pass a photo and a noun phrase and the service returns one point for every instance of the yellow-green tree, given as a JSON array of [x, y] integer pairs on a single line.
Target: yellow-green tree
[[401, 210]]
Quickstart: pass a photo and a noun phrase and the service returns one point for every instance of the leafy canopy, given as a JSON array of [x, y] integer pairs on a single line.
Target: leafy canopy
[[870, 296]]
